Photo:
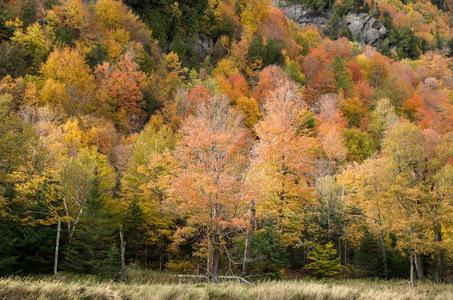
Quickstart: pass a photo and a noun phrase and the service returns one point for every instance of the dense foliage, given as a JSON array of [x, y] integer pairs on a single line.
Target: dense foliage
[[217, 137]]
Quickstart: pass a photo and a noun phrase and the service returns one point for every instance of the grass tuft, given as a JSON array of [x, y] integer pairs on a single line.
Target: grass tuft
[[90, 288]]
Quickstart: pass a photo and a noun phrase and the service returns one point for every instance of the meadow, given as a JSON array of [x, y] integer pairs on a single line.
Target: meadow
[[89, 288]]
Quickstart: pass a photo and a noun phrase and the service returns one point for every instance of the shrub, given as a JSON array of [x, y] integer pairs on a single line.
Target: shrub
[[324, 261]]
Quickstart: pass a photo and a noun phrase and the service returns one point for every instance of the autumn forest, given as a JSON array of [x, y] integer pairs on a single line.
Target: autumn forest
[[227, 138]]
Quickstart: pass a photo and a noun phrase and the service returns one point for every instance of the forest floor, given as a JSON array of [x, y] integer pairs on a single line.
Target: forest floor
[[89, 288]]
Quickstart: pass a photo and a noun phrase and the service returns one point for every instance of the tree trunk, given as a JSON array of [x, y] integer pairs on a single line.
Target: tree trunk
[[249, 236], [345, 253], [411, 276], [329, 221], [439, 253], [57, 249], [74, 225], [124, 276], [419, 266], [66, 210], [215, 262], [213, 258], [384, 255]]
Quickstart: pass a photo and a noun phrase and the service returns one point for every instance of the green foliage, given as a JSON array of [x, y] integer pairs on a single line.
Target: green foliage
[[6, 32], [27, 231], [25, 249], [407, 44], [393, 91], [28, 10], [16, 138], [324, 261], [111, 266], [89, 247], [294, 71], [440, 4], [360, 145], [36, 42], [369, 256], [268, 253], [269, 53], [183, 46], [343, 77], [176, 24], [306, 122], [315, 4], [64, 36], [336, 25], [136, 233], [96, 56]]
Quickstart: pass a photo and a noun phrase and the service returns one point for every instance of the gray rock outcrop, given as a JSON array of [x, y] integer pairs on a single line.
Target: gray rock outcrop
[[203, 45], [305, 16], [302, 15], [365, 28]]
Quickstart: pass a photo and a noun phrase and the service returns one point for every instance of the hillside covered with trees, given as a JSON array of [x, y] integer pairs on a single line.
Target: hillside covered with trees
[[219, 137]]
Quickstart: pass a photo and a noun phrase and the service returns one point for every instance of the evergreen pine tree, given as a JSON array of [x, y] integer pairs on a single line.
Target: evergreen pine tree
[[269, 53], [256, 49], [324, 261], [336, 25], [94, 235], [368, 256], [268, 253], [135, 232], [111, 266]]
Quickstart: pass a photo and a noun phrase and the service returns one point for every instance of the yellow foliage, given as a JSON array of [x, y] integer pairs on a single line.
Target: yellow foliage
[[71, 13], [225, 67], [110, 12], [255, 12], [54, 93], [67, 66], [73, 136], [250, 109], [36, 41]]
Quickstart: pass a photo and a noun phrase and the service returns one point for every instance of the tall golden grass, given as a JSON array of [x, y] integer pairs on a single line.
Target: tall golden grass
[[47, 288]]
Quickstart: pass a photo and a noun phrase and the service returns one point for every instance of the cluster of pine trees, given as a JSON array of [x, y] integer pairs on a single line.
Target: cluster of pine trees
[[276, 152]]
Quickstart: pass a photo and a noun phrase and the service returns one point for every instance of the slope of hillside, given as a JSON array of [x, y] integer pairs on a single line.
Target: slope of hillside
[[221, 137]]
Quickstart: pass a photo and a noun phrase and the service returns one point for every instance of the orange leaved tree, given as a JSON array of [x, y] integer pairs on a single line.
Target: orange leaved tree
[[211, 157]]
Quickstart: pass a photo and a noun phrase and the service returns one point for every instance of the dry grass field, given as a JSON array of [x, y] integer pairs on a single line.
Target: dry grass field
[[83, 288]]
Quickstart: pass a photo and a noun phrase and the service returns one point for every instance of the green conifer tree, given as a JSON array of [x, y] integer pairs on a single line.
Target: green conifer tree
[[324, 261], [135, 232], [91, 242]]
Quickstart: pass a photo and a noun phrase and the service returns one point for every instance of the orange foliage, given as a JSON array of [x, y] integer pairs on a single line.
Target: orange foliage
[[197, 96], [268, 79], [318, 73], [120, 92], [234, 86], [430, 107], [363, 91], [331, 125], [356, 71]]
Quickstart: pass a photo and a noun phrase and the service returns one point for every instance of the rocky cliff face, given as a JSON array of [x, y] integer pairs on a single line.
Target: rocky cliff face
[[302, 15], [203, 45], [365, 28], [305, 16]]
